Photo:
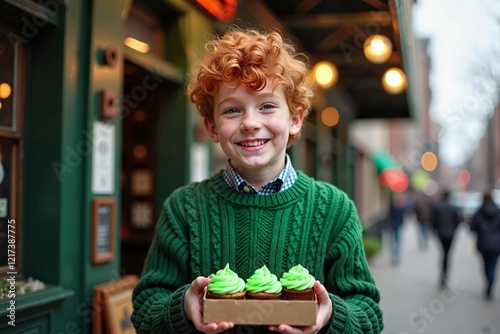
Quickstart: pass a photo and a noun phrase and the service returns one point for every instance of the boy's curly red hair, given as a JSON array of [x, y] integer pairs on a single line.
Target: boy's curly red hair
[[249, 58]]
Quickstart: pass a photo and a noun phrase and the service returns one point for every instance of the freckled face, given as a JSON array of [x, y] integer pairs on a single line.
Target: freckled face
[[253, 127]]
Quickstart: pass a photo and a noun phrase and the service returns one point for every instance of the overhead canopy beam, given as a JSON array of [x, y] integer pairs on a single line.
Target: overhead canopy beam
[[359, 59], [305, 5], [335, 20]]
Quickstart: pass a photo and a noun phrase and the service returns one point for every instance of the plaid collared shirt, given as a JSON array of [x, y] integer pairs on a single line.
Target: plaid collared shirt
[[282, 182]]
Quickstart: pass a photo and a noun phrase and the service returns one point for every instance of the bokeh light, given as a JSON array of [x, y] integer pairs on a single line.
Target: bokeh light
[[419, 179], [394, 81], [377, 49], [325, 74], [464, 178], [429, 161], [5, 90], [330, 116], [430, 188]]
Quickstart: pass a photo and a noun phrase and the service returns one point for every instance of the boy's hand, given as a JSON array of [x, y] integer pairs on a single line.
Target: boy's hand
[[323, 317], [193, 306]]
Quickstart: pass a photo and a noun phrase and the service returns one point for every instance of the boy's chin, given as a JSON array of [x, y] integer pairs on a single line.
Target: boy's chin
[[256, 164]]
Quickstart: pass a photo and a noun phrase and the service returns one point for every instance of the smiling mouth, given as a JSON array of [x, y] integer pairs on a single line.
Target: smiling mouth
[[253, 143]]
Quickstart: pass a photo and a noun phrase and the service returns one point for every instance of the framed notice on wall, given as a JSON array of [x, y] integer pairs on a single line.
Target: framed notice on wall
[[103, 229], [103, 158]]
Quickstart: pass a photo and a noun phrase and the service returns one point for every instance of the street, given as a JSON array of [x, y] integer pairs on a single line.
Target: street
[[412, 300]]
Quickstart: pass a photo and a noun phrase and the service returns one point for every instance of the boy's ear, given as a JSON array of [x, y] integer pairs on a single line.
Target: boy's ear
[[296, 121], [212, 130]]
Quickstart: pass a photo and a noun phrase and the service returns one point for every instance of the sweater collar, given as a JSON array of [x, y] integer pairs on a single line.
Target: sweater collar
[[282, 182], [295, 192]]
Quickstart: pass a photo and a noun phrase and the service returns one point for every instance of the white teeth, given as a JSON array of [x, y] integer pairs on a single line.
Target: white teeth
[[253, 143]]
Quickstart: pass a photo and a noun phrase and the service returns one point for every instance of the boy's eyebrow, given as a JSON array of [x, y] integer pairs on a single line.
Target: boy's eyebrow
[[236, 99]]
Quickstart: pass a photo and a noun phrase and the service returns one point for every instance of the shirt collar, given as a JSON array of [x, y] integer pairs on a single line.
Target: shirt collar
[[283, 181]]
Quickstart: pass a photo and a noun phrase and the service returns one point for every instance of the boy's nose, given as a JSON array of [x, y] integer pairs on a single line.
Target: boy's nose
[[250, 124]]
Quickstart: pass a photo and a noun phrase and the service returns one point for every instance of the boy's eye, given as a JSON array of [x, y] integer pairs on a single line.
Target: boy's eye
[[268, 106], [231, 111]]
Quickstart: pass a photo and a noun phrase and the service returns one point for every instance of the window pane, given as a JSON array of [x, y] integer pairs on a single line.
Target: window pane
[[6, 198], [8, 49]]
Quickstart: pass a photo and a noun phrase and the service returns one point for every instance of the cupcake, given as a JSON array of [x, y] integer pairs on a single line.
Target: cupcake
[[297, 284], [225, 284], [263, 285]]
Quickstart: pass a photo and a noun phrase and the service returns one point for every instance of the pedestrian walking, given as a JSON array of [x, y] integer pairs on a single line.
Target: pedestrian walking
[[486, 224], [422, 208], [397, 211], [445, 219]]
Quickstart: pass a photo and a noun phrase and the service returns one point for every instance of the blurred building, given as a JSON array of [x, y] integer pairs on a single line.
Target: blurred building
[[484, 165]]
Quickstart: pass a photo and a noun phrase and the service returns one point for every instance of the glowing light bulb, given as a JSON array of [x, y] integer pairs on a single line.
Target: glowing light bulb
[[377, 49], [394, 81], [325, 74], [5, 90]]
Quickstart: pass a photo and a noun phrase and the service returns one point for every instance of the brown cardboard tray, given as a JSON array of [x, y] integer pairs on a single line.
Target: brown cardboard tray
[[260, 312]]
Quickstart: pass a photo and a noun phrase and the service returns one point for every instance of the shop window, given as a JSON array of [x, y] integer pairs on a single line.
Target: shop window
[[12, 81], [139, 172]]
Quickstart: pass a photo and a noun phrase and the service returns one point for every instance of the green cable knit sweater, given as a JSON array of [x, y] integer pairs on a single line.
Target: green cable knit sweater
[[203, 226]]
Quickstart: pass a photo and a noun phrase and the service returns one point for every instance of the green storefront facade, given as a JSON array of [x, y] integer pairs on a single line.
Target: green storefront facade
[[98, 125]]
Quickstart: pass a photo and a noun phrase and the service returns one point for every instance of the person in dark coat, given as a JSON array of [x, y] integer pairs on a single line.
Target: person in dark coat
[[422, 209], [445, 219], [397, 211], [486, 224]]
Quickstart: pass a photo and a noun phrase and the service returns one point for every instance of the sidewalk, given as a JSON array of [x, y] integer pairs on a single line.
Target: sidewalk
[[412, 301]]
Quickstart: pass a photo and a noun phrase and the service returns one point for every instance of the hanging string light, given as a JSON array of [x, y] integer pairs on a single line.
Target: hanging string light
[[394, 81], [377, 49], [325, 74]]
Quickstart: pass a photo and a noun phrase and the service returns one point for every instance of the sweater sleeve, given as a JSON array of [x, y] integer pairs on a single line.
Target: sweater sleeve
[[353, 292], [158, 298]]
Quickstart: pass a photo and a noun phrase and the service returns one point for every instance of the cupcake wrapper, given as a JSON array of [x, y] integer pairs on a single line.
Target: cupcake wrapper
[[238, 295], [263, 295], [290, 294]]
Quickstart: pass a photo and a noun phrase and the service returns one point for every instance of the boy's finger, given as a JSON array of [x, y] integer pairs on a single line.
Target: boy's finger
[[200, 282], [320, 291]]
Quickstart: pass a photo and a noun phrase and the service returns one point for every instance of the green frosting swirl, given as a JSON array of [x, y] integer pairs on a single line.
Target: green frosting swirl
[[225, 282], [297, 278], [263, 281]]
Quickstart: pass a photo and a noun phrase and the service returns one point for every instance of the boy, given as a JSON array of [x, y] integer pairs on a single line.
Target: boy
[[252, 91]]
